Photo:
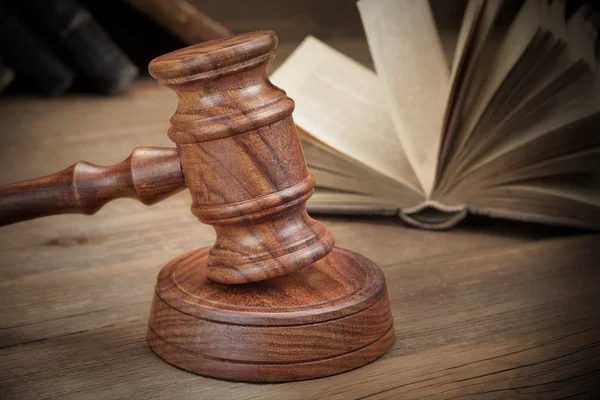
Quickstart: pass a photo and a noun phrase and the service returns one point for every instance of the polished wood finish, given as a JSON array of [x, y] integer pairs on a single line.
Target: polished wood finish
[[491, 310], [329, 317], [239, 152], [149, 174], [242, 158], [299, 309]]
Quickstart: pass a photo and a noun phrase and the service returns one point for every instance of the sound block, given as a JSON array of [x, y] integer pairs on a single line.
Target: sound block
[[329, 317]]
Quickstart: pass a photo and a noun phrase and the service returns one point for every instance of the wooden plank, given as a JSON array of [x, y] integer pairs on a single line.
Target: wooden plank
[[66, 273], [506, 322], [491, 297], [52, 135]]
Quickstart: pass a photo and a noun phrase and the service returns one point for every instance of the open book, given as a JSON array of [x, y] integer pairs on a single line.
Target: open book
[[509, 126]]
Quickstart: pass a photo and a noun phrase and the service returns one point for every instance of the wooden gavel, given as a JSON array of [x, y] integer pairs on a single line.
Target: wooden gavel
[[237, 152], [272, 299]]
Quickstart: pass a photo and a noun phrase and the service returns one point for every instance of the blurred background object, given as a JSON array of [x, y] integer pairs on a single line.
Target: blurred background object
[[51, 43], [100, 46], [181, 19]]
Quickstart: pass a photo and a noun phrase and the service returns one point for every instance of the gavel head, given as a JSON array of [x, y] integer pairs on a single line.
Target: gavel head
[[242, 158]]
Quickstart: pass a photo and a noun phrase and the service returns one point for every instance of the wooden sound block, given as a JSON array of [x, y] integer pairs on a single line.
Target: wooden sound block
[[327, 318]]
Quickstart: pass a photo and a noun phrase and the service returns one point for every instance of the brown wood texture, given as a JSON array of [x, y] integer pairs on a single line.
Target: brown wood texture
[[237, 148], [490, 307], [327, 318], [299, 310], [242, 158], [149, 174], [490, 310]]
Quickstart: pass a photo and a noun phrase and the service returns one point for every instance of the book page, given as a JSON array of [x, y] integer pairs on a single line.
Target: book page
[[560, 145], [333, 170], [336, 202], [340, 103], [553, 126], [517, 41], [524, 57], [413, 69], [470, 63], [533, 108], [565, 200]]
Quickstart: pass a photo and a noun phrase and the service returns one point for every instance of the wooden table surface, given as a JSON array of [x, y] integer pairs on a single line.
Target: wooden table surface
[[488, 310]]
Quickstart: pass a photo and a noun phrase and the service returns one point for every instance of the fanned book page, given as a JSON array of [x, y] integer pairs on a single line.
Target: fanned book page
[[341, 109], [507, 128], [414, 73]]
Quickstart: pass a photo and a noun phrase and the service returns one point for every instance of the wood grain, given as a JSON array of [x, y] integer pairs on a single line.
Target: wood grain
[[491, 310], [501, 318], [300, 308], [238, 149], [149, 174], [242, 158], [240, 155], [327, 318]]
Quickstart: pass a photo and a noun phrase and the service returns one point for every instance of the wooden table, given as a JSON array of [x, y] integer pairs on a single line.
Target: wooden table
[[488, 310]]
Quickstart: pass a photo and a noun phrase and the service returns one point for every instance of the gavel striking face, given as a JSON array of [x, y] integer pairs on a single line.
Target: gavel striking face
[[273, 278]]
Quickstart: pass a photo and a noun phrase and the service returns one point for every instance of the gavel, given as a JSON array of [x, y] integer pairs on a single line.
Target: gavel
[[272, 299]]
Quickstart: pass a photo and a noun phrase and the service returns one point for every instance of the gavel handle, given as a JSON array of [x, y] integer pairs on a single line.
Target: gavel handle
[[150, 174]]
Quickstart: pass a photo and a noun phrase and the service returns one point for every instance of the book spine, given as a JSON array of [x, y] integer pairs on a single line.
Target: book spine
[[100, 60], [7, 75], [31, 56], [433, 215]]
